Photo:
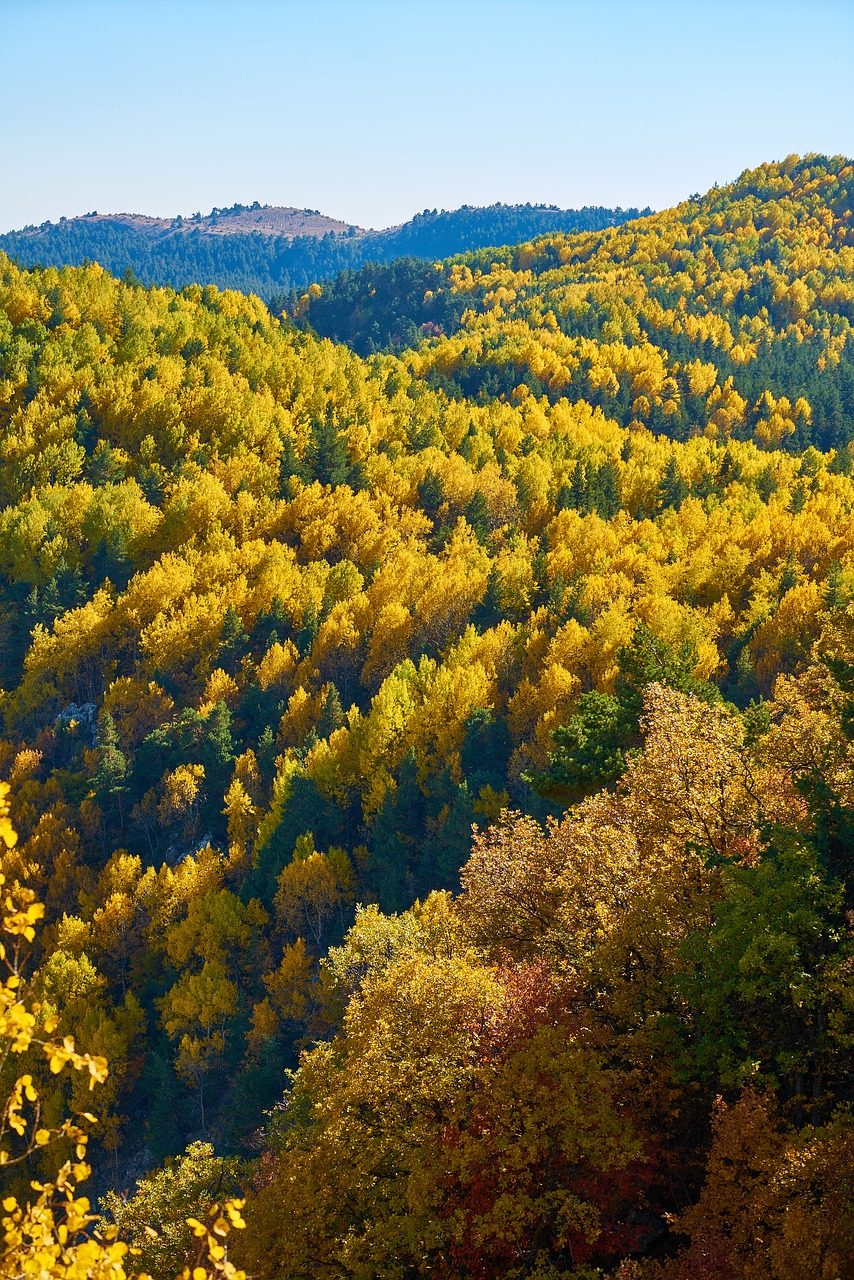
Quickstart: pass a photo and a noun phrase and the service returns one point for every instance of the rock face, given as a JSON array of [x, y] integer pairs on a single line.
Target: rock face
[[85, 715]]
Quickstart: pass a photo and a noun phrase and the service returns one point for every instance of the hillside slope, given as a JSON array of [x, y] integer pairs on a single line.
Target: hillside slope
[[268, 250], [729, 315], [280, 624], [240, 219]]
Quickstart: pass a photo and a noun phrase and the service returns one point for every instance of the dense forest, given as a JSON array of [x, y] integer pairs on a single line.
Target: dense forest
[[429, 774], [704, 316], [206, 251]]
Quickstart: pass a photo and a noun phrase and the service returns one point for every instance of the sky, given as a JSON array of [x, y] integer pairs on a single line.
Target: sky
[[372, 111]]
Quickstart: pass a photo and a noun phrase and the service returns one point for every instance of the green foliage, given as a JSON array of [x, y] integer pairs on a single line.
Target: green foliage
[[110, 776], [673, 490], [593, 746], [269, 265], [154, 1218], [778, 943], [279, 626], [327, 455]]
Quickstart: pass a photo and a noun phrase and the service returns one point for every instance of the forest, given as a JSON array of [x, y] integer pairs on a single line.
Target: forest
[[207, 250], [704, 316], [427, 759]]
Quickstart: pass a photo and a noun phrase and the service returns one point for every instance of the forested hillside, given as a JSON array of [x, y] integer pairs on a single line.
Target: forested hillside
[[724, 314], [279, 624], [290, 248]]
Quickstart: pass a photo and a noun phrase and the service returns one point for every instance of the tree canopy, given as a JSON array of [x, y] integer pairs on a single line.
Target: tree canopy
[[464, 729]]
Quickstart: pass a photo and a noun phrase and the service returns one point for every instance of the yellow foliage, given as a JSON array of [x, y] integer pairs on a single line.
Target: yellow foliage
[[277, 665], [54, 1234], [219, 687]]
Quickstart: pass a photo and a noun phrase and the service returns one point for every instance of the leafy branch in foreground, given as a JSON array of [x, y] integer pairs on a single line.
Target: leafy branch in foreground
[[55, 1234]]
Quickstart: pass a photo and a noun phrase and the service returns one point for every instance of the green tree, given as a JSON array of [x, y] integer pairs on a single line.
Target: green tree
[[154, 1218], [593, 746], [111, 774], [327, 455], [673, 489]]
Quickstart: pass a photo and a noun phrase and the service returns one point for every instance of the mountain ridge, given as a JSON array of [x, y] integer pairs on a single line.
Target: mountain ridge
[[679, 322], [287, 221], [269, 250], [536, 638]]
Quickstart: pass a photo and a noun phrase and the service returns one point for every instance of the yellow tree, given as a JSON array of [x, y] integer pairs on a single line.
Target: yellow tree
[[49, 1230], [195, 1014], [313, 890]]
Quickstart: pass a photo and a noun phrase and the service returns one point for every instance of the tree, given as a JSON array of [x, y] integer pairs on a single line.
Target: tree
[[314, 889], [111, 773], [182, 800], [184, 1188], [594, 745], [327, 455], [195, 1013], [54, 1234], [454, 1126], [763, 983], [775, 1203], [233, 640], [591, 748], [220, 928], [673, 490]]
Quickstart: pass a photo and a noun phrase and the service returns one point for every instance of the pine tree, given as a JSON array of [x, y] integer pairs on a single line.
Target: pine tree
[[328, 451], [110, 775], [834, 595], [290, 464], [580, 489], [233, 640], [431, 494], [607, 501], [308, 631], [332, 717], [477, 516], [673, 489]]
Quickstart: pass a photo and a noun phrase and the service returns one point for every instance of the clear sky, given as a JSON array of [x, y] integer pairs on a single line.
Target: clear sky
[[371, 110]]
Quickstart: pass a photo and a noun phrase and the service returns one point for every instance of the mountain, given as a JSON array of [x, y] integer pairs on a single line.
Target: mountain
[[267, 250], [266, 220], [729, 315], [433, 770]]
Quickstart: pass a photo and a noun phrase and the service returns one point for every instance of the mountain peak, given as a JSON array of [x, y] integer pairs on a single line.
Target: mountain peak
[[286, 222]]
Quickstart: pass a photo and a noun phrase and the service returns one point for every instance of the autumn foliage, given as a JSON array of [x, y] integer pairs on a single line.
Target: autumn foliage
[[433, 772]]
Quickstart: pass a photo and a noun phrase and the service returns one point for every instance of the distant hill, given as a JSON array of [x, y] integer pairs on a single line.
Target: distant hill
[[242, 219], [271, 250]]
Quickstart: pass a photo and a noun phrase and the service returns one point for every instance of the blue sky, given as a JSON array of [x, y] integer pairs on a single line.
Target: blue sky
[[370, 110]]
